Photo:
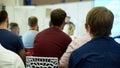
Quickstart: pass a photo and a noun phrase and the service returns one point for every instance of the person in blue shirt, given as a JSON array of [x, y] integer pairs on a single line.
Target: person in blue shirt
[[29, 36], [101, 51], [8, 39]]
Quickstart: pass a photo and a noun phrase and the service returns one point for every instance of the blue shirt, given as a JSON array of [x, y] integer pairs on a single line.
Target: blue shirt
[[10, 41], [100, 52], [28, 38]]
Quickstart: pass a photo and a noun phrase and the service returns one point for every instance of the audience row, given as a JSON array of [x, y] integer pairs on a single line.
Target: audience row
[[94, 50]]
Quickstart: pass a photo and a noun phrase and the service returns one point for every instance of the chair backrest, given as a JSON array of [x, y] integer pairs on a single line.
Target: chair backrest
[[41, 62], [29, 51]]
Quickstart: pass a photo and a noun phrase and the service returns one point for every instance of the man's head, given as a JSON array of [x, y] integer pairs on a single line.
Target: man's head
[[3, 17], [99, 21], [33, 22], [58, 17], [13, 26]]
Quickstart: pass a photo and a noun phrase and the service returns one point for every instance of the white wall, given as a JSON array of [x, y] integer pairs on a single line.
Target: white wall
[[77, 11]]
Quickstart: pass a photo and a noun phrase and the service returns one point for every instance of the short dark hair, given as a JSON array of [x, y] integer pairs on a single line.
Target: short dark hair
[[100, 20], [32, 21], [57, 17], [3, 15], [13, 25]]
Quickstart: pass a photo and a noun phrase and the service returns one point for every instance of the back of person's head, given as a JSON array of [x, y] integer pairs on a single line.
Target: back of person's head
[[100, 21], [32, 21], [13, 26], [71, 29], [57, 17], [3, 16]]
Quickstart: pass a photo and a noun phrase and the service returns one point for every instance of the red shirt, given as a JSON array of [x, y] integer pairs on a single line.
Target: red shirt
[[51, 42]]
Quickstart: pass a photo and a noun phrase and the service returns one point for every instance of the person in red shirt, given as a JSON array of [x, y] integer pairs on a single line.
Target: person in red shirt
[[52, 42]]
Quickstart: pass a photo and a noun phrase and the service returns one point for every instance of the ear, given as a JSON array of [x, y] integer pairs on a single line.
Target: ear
[[88, 29], [7, 21], [62, 26]]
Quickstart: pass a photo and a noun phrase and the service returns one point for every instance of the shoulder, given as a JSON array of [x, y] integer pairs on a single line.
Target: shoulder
[[9, 35], [83, 49], [13, 55], [30, 33], [16, 59], [67, 37], [9, 56], [80, 52], [5, 32], [44, 31]]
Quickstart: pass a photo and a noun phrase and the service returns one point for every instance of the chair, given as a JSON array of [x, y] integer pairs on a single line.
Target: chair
[[41, 62], [29, 51]]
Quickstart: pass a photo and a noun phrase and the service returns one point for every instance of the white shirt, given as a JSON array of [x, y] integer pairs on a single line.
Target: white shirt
[[9, 59]]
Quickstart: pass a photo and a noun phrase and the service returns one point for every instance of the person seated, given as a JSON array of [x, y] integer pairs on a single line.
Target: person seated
[[69, 27], [29, 36], [52, 42], [9, 59], [76, 43], [8, 39], [102, 51], [13, 27]]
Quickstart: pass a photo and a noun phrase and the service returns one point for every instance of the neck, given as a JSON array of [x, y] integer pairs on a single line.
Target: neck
[[33, 28], [3, 25], [58, 27]]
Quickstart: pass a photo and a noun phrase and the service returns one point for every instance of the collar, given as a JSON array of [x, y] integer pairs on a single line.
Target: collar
[[102, 37]]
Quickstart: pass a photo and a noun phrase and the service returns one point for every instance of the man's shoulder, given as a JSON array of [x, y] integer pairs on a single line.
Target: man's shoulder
[[66, 36], [44, 31], [30, 33], [4, 31], [8, 34], [84, 48], [10, 58]]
